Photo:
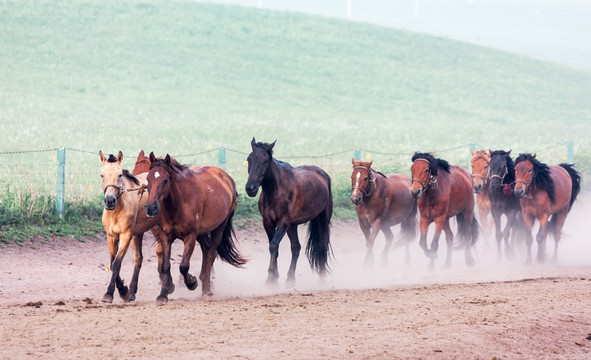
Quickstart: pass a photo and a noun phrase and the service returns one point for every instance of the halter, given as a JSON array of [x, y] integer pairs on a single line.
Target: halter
[[485, 178], [121, 190], [372, 180], [431, 181], [501, 178]]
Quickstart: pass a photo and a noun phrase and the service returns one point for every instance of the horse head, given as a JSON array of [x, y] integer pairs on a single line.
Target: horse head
[[259, 162], [499, 167], [159, 180], [361, 180], [112, 178], [524, 174], [480, 169]]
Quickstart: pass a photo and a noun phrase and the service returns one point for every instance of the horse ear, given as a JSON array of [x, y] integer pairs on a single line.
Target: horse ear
[[141, 155], [371, 162], [152, 157], [253, 143], [103, 158], [119, 157], [167, 160], [508, 153], [472, 152], [490, 152], [353, 161], [534, 157], [272, 144]]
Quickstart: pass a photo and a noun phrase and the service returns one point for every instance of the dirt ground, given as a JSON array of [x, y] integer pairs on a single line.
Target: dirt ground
[[50, 305]]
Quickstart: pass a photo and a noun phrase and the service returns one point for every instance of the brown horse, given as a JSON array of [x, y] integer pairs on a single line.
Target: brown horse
[[443, 191], [191, 205], [291, 196], [544, 191], [124, 221], [480, 177], [381, 202]]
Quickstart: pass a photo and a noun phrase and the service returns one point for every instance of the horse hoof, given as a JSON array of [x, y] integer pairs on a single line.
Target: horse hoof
[[161, 300], [107, 298], [207, 294], [192, 285], [290, 283], [123, 292], [131, 298], [170, 288], [125, 297], [470, 262]]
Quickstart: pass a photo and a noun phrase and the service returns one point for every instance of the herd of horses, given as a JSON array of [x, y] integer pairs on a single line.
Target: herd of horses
[[197, 205]]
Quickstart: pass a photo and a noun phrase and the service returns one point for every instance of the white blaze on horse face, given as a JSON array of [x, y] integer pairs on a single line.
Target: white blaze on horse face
[[156, 175], [357, 180]]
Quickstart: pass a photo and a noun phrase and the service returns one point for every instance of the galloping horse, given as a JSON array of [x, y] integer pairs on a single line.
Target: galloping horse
[[289, 197], [191, 205], [502, 182], [124, 221], [544, 191], [480, 171], [381, 202], [443, 191]]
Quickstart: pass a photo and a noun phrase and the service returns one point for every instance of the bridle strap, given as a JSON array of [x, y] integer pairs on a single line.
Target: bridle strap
[[371, 180], [431, 180], [140, 189]]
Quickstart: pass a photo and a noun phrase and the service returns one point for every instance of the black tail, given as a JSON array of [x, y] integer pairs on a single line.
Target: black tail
[[467, 235], [318, 248], [575, 180], [408, 228], [227, 249]]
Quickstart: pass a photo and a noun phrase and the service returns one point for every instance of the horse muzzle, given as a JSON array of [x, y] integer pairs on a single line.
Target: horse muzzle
[[416, 194], [356, 200], [152, 209], [110, 202], [251, 190], [519, 192], [478, 189]]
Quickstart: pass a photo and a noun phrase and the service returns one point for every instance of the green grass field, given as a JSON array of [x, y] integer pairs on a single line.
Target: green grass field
[[184, 78]]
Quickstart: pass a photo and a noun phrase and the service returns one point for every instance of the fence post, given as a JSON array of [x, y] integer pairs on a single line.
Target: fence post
[[60, 183], [357, 154], [570, 152], [472, 146], [222, 158]]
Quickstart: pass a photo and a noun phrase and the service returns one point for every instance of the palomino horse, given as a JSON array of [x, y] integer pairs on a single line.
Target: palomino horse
[[381, 202], [480, 170], [544, 191], [124, 221], [443, 191], [191, 205], [289, 197], [501, 184]]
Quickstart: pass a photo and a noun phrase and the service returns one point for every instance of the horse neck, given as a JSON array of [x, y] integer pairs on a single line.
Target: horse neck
[[270, 183]]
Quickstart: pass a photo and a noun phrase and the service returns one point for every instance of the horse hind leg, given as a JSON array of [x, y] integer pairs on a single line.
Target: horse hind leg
[[136, 245], [556, 225], [389, 239], [449, 238], [541, 238], [292, 233]]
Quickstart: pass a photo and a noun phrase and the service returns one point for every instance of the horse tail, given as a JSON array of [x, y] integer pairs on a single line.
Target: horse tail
[[467, 235], [318, 249], [227, 248], [575, 180]]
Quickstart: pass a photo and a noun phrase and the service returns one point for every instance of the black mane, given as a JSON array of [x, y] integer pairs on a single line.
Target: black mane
[[131, 177], [112, 158], [434, 163], [510, 177], [542, 178], [268, 147]]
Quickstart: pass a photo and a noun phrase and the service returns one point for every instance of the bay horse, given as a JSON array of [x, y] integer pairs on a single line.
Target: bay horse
[[382, 201], [443, 191], [544, 191], [124, 221], [502, 183], [289, 197], [480, 170], [193, 206]]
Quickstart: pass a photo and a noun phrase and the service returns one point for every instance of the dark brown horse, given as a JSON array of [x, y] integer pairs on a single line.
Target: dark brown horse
[[443, 191], [191, 205], [289, 197], [382, 202], [544, 191]]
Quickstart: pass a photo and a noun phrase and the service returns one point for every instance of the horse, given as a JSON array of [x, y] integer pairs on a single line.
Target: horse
[[443, 191], [193, 206], [501, 184], [480, 170], [543, 192], [289, 197], [142, 164], [382, 202], [124, 221]]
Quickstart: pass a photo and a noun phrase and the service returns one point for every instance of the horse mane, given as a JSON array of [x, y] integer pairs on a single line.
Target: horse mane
[[481, 154], [542, 178], [131, 177], [434, 163], [266, 146], [112, 158], [510, 165], [174, 167]]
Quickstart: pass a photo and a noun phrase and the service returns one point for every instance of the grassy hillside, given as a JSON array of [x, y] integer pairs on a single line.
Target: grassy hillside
[[183, 77]]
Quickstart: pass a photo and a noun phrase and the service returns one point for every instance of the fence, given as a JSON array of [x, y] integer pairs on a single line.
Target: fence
[[77, 177]]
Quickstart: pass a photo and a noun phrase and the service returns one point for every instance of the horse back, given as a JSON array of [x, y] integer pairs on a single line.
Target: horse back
[[460, 190], [562, 188]]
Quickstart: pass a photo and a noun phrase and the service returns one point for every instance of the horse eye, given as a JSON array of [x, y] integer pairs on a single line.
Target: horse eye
[[529, 170], [365, 179], [102, 176], [426, 170]]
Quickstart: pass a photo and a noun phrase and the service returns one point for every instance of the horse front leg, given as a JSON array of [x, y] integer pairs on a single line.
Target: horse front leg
[[509, 228], [541, 237], [136, 245], [273, 272], [439, 224], [124, 241], [113, 243], [528, 222], [369, 241], [189, 246], [163, 252], [496, 215], [389, 240], [424, 227], [292, 233]]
